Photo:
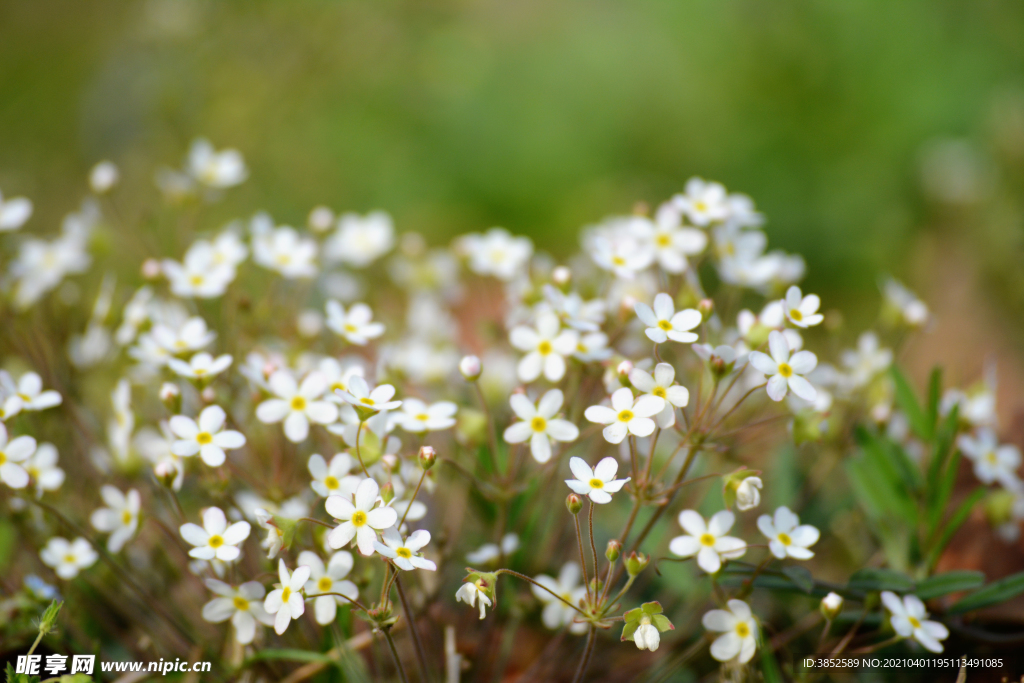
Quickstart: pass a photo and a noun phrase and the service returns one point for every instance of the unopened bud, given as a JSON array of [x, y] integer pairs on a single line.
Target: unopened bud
[[613, 550], [573, 503], [320, 219], [170, 395], [387, 492], [470, 367], [561, 276], [706, 307], [151, 269], [49, 620], [636, 563], [166, 472], [208, 395], [831, 605], [623, 370], [428, 456], [103, 177]]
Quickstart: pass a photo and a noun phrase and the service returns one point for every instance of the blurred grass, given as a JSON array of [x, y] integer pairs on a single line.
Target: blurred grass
[[458, 114]]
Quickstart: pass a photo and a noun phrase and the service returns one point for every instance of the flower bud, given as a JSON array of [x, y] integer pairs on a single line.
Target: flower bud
[[470, 367], [573, 502], [561, 276], [208, 395], [170, 395], [748, 493], [320, 219], [636, 563], [49, 620], [309, 323], [706, 307], [623, 370], [151, 269], [103, 177], [166, 472], [831, 605], [613, 550], [387, 492], [427, 457]]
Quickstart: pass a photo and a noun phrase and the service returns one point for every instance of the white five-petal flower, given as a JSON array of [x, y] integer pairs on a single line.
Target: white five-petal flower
[[14, 212], [739, 632], [626, 415], [13, 455], [786, 536], [208, 438], [328, 579], [242, 605], [362, 397], [802, 310], [910, 619], [783, 371], [200, 366], [360, 521], [661, 386], [556, 613], [42, 468], [992, 462], [356, 325], [471, 594], [418, 417], [68, 558], [708, 541], [30, 390], [286, 600], [546, 347], [663, 323], [297, 405], [539, 424], [404, 553], [598, 483], [215, 539], [333, 479], [120, 518]]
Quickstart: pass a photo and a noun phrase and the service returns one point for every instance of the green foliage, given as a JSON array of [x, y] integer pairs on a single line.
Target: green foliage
[[949, 582], [992, 594]]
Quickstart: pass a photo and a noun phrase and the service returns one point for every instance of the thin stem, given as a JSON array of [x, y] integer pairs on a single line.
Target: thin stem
[[35, 644], [421, 655], [737, 405], [583, 559], [877, 646], [526, 578], [411, 500], [315, 521], [359, 454], [394, 653], [593, 548], [581, 670], [340, 595]]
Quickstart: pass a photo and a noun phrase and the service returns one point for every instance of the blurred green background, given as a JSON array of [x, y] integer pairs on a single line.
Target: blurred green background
[[456, 115]]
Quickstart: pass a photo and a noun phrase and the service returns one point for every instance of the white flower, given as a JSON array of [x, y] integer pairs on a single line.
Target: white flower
[[786, 536], [208, 438], [418, 417], [661, 386], [598, 483], [275, 536], [361, 396], [242, 605], [868, 360], [120, 518], [329, 579], [41, 265], [14, 212], [404, 553], [215, 539], [708, 541], [42, 467], [103, 177], [556, 613], [802, 310], [489, 552], [200, 366], [470, 593], [672, 242], [284, 251], [67, 559], [585, 316], [663, 323], [10, 402], [703, 202], [538, 424], [361, 520], [748, 493], [13, 457], [361, 240], [783, 371], [647, 636], [199, 275], [831, 605], [739, 632], [545, 347], [333, 479], [356, 325], [910, 619], [286, 601], [122, 423], [992, 462], [297, 405], [626, 415], [29, 390], [618, 247], [592, 348], [913, 311], [496, 253], [215, 169]]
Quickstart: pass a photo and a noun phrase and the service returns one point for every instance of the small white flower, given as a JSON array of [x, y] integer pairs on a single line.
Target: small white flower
[[910, 619], [470, 594], [360, 521], [284, 251], [30, 390], [802, 310], [356, 325], [199, 275], [275, 536], [661, 386], [67, 559], [626, 415], [208, 438], [703, 202], [297, 405], [489, 552], [739, 632], [831, 605], [122, 423], [120, 518], [539, 424], [708, 541], [14, 212], [748, 493], [13, 457], [333, 479], [496, 253], [42, 468], [215, 169], [404, 553], [361, 240], [242, 605], [215, 539], [619, 248], [992, 462], [911, 309], [786, 536], [783, 371], [672, 242], [546, 348], [868, 360], [200, 366], [556, 613], [598, 483], [361, 396], [10, 402], [103, 177], [647, 636], [418, 417], [328, 579], [286, 601], [592, 348], [663, 323]]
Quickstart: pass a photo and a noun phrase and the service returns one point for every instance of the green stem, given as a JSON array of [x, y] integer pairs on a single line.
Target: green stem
[[394, 653], [581, 670], [359, 454], [421, 654], [411, 500], [526, 578]]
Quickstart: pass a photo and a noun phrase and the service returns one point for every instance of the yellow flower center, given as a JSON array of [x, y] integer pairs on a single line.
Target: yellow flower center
[[665, 325], [69, 559], [785, 539], [3, 457], [422, 417], [324, 584], [742, 630], [618, 260], [785, 370], [204, 438], [367, 401], [338, 386], [796, 315], [286, 593], [991, 458], [284, 259], [126, 517], [215, 541], [659, 392], [240, 603], [544, 348], [196, 280], [180, 344], [707, 539], [625, 415], [914, 622], [596, 483], [32, 471], [349, 327], [663, 240], [298, 403], [538, 424], [700, 206], [403, 552], [331, 482], [359, 518]]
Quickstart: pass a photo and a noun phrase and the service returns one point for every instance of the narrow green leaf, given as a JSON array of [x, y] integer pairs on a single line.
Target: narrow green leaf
[[870, 579], [800, 576], [992, 594], [292, 655], [908, 403], [769, 665], [954, 523], [944, 441], [949, 582], [934, 394]]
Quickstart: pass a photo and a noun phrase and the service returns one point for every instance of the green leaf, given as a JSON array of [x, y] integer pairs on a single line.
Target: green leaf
[[800, 576], [945, 438], [954, 523], [949, 582], [934, 395], [662, 623], [908, 403], [769, 665], [871, 580], [992, 594], [292, 655], [629, 629], [879, 486]]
